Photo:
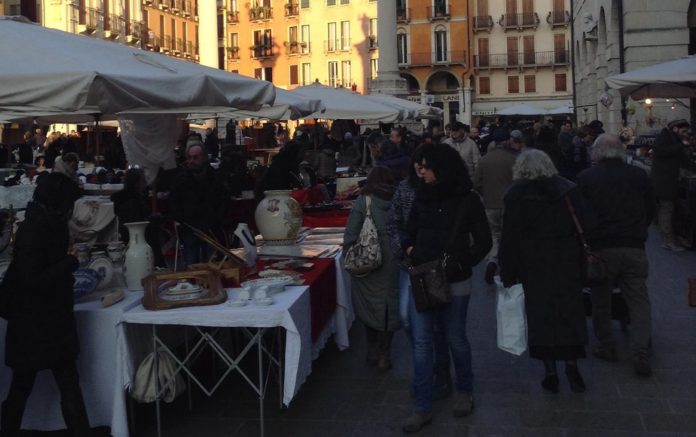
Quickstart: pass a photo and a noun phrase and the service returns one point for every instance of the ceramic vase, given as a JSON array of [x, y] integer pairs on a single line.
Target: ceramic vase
[[278, 217], [139, 261]]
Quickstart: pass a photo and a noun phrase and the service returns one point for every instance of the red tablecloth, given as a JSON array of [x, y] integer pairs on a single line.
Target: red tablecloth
[[322, 291], [326, 219]]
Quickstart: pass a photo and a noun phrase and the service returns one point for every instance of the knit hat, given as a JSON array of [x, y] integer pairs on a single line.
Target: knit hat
[[500, 134]]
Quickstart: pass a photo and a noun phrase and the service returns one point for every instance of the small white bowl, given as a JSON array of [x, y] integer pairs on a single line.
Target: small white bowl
[[265, 301]]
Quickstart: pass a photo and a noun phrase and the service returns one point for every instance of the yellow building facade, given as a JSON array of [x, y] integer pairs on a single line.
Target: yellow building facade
[[521, 54], [297, 42], [433, 54]]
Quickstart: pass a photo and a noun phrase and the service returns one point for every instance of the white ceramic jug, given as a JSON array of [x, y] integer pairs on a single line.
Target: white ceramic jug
[[139, 258], [278, 217]]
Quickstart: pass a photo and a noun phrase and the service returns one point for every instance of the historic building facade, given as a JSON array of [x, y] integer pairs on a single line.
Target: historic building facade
[[521, 54], [298, 42], [615, 36], [433, 54]]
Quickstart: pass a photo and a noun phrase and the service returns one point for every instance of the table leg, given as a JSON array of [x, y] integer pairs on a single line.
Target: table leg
[[157, 387], [261, 383], [188, 377]]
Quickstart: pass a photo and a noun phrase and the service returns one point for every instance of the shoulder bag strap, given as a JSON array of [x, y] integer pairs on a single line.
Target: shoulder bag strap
[[581, 234]]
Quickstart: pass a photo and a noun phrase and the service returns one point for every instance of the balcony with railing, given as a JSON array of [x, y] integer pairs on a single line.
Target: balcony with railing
[[164, 4], [292, 9], [178, 45], [558, 19], [519, 21], [89, 20], [188, 49], [233, 17], [440, 11], [260, 13], [166, 43], [134, 31], [151, 41], [260, 51], [552, 58], [426, 59], [112, 25], [483, 23], [187, 8], [233, 53], [403, 15], [293, 47], [372, 42]]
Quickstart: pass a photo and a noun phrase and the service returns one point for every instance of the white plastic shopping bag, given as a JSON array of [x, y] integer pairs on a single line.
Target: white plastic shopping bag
[[511, 319]]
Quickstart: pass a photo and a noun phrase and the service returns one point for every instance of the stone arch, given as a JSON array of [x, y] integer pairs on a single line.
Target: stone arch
[[412, 83], [443, 85], [691, 24]]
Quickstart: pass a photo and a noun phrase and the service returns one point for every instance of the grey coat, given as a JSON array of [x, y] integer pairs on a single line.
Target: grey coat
[[375, 296]]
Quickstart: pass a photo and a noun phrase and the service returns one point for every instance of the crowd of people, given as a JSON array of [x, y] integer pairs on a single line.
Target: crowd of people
[[518, 198], [515, 197]]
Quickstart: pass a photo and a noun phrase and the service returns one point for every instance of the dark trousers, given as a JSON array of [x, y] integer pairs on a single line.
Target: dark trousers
[[627, 268], [71, 402]]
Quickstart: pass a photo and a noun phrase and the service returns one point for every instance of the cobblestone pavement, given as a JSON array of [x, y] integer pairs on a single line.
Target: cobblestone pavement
[[343, 397]]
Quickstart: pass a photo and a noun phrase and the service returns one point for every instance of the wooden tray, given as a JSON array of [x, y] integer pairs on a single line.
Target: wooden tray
[[205, 278]]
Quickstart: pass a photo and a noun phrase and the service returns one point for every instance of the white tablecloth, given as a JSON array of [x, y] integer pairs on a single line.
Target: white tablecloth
[[290, 311], [97, 366]]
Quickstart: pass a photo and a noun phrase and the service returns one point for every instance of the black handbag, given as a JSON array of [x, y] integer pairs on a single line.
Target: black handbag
[[594, 269], [429, 285]]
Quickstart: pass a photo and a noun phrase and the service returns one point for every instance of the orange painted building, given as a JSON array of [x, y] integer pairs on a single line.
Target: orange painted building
[[171, 27], [433, 44]]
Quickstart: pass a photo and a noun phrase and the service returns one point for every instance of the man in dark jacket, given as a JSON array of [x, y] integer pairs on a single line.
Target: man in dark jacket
[[41, 329], [492, 179], [622, 200], [668, 155], [195, 200]]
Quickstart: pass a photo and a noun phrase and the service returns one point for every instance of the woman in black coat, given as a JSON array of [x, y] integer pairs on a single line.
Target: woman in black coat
[[540, 249], [447, 217], [41, 329]]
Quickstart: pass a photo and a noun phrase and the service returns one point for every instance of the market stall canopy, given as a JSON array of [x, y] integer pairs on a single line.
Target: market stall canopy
[[563, 109], [341, 103], [522, 109], [410, 110], [671, 79], [287, 106], [74, 73]]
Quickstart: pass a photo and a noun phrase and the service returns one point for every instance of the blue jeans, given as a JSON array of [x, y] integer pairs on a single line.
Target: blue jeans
[[404, 298], [452, 319]]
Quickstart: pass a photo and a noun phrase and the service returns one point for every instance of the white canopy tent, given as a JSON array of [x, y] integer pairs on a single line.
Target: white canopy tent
[[668, 79], [81, 77], [411, 110], [79, 73], [563, 109], [341, 103], [287, 106], [522, 109]]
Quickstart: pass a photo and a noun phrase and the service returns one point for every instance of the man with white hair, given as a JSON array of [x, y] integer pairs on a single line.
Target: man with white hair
[[621, 197]]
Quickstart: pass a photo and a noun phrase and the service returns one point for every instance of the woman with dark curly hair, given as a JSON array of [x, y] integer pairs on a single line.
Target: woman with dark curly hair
[[446, 218]]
